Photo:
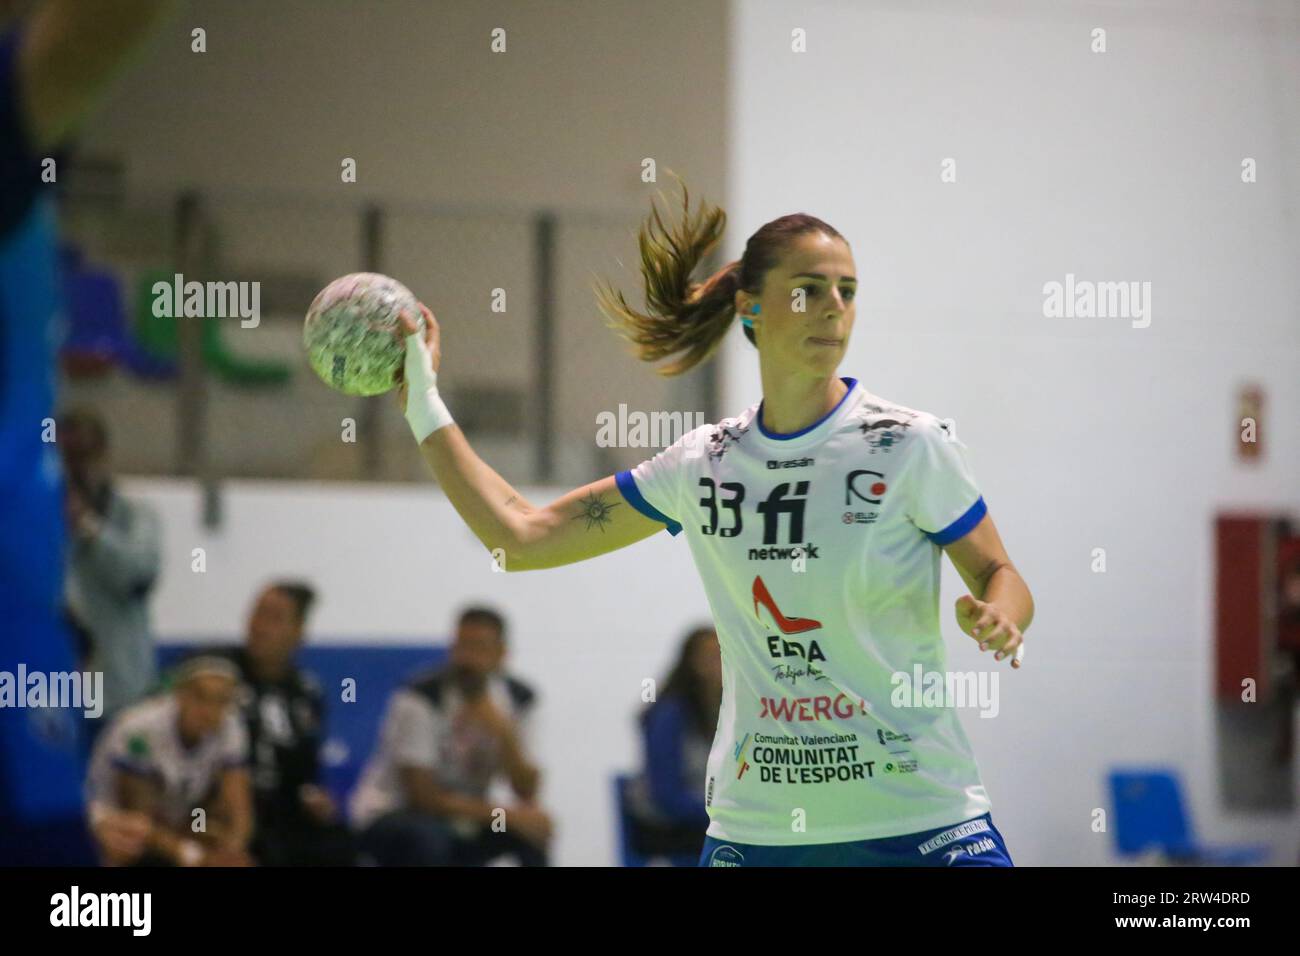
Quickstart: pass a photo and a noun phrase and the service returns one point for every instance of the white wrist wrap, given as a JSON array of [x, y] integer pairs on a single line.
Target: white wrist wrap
[[425, 410]]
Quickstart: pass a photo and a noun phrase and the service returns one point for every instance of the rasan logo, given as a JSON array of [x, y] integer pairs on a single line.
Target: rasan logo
[[103, 909]]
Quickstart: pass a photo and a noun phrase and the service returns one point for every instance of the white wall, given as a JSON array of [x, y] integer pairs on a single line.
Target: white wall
[[393, 564], [1084, 433]]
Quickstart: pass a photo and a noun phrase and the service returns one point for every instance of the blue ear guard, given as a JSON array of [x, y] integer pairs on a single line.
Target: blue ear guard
[[748, 322]]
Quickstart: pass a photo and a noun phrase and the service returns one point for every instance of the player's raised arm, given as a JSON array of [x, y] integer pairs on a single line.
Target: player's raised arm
[[584, 523]]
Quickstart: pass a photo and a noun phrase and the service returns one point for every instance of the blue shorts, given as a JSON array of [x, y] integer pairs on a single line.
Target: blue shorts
[[976, 842]]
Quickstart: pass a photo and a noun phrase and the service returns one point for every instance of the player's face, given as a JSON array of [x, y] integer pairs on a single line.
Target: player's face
[[204, 701], [807, 307], [274, 630], [476, 653]]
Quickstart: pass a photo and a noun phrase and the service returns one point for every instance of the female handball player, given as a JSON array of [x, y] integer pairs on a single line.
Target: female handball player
[[816, 519]]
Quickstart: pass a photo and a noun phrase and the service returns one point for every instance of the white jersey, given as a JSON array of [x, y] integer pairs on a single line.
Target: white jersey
[[820, 555], [145, 740]]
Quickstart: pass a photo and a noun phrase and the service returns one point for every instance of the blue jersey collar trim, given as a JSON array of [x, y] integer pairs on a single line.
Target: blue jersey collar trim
[[778, 436]]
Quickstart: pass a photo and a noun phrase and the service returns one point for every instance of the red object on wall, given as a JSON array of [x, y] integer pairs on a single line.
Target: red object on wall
[[1240, 544], [1288, 599]]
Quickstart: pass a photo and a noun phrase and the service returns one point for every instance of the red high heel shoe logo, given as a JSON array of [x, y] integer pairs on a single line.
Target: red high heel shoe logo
[[787, 625]]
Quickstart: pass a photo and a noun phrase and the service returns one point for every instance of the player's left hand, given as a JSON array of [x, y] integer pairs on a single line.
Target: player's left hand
[[989, 625]]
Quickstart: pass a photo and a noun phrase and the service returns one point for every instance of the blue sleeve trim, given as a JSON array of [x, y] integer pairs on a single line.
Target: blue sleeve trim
[[627, 485], [962, 526]]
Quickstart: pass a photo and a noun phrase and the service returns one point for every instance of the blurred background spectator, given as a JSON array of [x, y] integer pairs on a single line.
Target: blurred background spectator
[[297, 822], [113, 565], [167, 758], [666, 800], [447, 737]]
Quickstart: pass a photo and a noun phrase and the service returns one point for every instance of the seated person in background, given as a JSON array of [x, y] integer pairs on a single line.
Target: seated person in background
[[284, 712], [423, 799], [165, 758], [666, 801]]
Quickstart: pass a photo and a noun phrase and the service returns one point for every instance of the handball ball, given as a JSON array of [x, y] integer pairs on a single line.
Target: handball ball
[[349, 332]]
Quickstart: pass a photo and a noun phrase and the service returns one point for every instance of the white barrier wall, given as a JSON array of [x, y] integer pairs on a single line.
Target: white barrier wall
[[1085, 433]]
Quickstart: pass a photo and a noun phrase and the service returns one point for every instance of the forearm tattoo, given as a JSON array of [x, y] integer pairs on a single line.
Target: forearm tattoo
[[595, 510]]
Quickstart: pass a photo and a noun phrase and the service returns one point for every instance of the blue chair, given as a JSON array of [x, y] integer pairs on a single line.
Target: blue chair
[[628, 854], [1150, 814]]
